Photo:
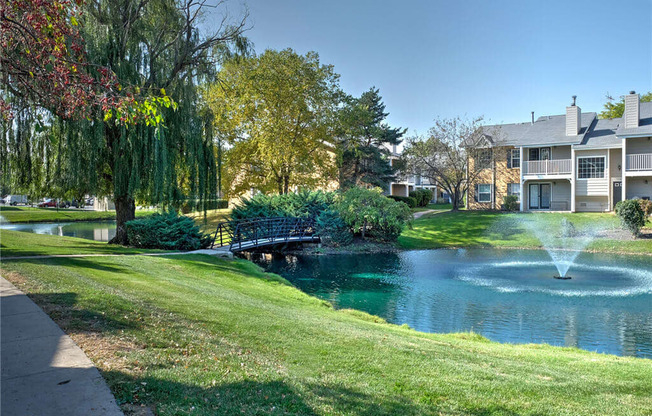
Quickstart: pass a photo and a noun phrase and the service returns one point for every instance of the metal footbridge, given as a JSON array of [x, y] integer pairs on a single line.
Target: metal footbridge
[[242, 235]]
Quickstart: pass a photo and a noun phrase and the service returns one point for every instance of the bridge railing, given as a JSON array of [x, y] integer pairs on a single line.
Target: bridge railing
[[244, 234]]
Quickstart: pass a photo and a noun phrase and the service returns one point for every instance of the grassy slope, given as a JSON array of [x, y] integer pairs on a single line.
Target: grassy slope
[[17, 243], [496, 229], [198, 335], [27, 214]]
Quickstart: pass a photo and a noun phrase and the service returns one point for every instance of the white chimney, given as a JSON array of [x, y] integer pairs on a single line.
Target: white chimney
[[573, 119], [632, 110]]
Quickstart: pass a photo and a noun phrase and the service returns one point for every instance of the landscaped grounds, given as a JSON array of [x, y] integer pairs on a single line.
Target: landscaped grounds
[[199, 335], [499, 229]]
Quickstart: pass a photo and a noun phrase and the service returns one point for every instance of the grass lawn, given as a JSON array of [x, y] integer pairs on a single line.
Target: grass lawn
[[209, 222], [17, 243], [29, 214], [438, 207], [197, 335], [497, 229]]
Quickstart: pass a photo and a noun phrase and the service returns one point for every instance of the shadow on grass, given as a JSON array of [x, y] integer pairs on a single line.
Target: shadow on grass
[[64, 309], [74, 262], [250, 397]]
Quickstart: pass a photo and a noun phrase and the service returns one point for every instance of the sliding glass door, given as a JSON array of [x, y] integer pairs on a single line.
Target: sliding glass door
[[539, 195]]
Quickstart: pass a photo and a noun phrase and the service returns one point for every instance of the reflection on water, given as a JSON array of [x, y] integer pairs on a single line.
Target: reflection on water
[[507, 296], [90, 230]]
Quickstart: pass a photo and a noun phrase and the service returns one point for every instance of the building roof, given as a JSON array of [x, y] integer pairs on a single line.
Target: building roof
[[602, 134], [644, 122], [546, 130]]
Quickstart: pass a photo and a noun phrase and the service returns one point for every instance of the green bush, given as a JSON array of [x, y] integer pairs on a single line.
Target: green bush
[[368, 210], [167, 231], [510, 203], [631, 216], [332, 230], [303, 204], [422, 197], [409, 201]]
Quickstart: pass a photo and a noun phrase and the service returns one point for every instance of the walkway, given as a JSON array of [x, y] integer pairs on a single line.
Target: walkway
[[430, 211], [43, 371]]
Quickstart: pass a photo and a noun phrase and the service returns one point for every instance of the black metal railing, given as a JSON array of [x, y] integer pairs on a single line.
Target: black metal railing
[[247, 234]]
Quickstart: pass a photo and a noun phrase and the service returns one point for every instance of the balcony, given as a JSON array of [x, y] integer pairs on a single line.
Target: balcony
[[548, 167], [639, 162]]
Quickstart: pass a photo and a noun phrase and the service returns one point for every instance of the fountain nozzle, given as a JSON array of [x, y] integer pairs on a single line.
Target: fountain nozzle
[[562, 277]]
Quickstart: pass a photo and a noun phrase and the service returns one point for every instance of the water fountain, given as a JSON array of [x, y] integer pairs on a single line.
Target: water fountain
[[561, 240]]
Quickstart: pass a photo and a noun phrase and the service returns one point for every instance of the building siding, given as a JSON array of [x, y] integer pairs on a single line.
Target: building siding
[[503, 176]]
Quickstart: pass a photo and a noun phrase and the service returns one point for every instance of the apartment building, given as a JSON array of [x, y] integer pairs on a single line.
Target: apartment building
[[571, 162], [404, 183]]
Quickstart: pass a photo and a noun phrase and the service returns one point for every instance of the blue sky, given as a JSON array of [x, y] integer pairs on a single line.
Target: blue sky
[[498, 59]]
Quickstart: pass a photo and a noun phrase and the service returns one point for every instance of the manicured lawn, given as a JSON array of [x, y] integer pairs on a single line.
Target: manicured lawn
[[438, 207], [198, 335], [17, 243], [496, 229], [209, 222], [28, 214]]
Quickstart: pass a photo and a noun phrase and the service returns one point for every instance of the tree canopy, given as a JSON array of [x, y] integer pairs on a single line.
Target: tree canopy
[[615, 108], [443, 155], [277, 114], [365, 141], [158, 148]]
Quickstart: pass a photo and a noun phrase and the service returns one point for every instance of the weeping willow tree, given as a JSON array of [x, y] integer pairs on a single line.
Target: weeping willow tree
[[155, 49]]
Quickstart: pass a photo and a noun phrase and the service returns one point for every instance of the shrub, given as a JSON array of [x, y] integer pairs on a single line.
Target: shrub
[[646, 206], [631, 216], [304, 204], [422, 196], [409, 201], [510, 203], [167, 231], [368, 210], [441, 201], [332, 229]]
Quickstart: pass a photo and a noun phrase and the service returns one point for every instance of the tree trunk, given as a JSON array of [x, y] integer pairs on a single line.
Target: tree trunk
[[125, 210], [456, 200], [286, 184], [364, 228]]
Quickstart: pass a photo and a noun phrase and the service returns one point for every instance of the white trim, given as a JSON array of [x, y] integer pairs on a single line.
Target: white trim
[[528, 195], [604, 172]]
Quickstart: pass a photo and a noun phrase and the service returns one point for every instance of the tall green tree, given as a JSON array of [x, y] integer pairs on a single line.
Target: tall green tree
[[138, 152], [615, 108], [365, 142], [277, 113]]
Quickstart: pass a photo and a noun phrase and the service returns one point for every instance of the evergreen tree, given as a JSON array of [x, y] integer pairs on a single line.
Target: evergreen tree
[[365, 142]]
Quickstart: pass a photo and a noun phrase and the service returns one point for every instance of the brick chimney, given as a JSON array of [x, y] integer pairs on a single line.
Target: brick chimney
[[573, 119], [632, 110]]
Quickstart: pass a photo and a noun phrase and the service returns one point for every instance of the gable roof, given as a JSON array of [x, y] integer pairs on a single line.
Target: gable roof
[[546, 130], [602, 134]]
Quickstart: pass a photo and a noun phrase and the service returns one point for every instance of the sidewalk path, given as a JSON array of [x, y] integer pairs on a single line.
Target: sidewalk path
[[430, 211], [43, 371]]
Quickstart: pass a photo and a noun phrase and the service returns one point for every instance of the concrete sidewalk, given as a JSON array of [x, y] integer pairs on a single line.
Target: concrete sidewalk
[[43, 371]]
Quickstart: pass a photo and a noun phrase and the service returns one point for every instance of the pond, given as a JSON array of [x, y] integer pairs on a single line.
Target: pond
[[90, 230], [505, 295]]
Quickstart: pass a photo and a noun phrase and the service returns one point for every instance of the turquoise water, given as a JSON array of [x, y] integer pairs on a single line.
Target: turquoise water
[[90, 230], [505, 295]]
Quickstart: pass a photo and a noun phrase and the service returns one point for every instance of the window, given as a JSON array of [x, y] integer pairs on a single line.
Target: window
[[514, 189], [484, 159], [484, 193], [542, 153], [514, 158], [590, 167]]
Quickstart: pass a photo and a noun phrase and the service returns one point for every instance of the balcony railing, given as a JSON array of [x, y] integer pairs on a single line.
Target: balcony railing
[[547, 167], [638, 162]]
